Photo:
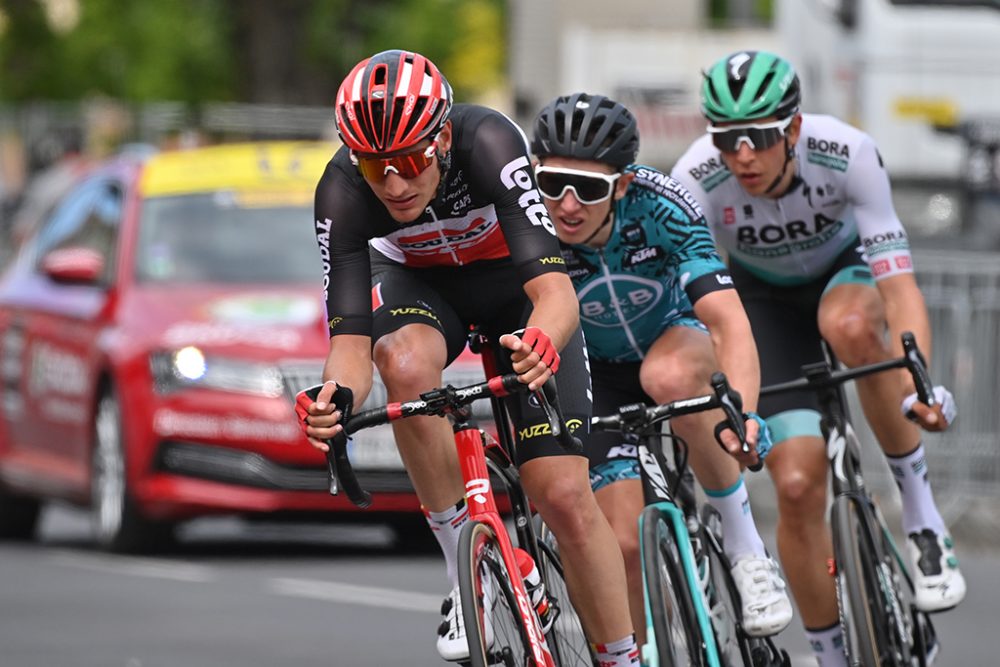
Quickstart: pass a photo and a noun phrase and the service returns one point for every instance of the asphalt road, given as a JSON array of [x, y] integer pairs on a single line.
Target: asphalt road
[[303, 596]]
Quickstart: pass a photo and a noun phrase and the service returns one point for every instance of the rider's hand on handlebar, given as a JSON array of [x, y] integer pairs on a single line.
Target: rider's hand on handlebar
[[318, 412], [533, 354], [758, 438], [936, 418]]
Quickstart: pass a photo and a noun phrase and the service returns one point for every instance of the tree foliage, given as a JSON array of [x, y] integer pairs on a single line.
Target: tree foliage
[[287, 51]]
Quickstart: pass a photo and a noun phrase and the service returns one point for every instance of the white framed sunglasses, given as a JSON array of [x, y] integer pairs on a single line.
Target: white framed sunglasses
[[589, 187], [758, 136]]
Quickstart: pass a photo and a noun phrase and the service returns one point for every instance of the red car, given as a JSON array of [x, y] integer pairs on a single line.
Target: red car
[[153, 331]]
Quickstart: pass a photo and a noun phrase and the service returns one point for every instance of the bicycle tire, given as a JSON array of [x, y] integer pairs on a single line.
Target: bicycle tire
[[487, 597], [566, 638], [899, 635], [857, 591], [676, 634]]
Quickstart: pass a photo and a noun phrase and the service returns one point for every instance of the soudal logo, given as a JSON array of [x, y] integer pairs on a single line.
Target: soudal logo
[[828, 147]]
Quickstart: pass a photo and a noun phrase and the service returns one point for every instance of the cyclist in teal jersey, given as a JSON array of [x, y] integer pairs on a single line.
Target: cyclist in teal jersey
[[659, 314], [802, 205]]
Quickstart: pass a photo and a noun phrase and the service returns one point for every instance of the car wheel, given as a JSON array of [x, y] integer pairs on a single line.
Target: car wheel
[[18, 517], [118, 525]]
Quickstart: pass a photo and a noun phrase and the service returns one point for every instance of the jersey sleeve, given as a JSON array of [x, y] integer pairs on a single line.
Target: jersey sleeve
[[343, 248], [502, 170], [886, 247]]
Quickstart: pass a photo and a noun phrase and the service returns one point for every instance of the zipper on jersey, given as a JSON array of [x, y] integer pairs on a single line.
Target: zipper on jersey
[[444, 237], [614, 304]]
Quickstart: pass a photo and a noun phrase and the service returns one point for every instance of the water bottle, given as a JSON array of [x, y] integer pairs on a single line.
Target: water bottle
[[536, 589]]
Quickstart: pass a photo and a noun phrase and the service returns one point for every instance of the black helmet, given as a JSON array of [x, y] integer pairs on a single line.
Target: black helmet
[[587, 127]]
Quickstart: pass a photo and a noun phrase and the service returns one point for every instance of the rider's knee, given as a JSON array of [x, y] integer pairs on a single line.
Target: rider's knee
[[800, 494], [405, 365], [855, 336], [673, 378]]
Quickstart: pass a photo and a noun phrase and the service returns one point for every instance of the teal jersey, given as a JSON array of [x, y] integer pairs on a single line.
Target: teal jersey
[[659, 260]]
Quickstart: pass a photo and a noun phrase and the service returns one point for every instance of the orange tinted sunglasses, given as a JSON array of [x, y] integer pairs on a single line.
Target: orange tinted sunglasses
[[406, 165]]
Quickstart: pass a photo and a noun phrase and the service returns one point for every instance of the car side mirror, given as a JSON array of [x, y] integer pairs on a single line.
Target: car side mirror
[[75, 265]]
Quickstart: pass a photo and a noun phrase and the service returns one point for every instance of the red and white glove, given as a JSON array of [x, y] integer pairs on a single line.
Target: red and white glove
[[540, 342]]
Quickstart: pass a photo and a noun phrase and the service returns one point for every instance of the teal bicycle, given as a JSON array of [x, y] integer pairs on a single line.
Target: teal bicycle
[[693, 609]]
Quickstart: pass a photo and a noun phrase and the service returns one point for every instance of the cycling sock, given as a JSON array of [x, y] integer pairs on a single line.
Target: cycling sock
[[828, 645], [919, 509], [739, 532], [621, 653], [446, 526]]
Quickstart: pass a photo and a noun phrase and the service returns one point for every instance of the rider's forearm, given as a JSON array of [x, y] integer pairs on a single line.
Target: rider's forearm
[[349, 363], [733, 343], [555, 308], [905, 310]]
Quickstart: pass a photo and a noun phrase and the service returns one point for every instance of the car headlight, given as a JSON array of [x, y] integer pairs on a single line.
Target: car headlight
[[189, 367]]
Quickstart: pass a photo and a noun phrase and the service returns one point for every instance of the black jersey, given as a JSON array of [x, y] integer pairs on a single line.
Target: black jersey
[[488, 209]]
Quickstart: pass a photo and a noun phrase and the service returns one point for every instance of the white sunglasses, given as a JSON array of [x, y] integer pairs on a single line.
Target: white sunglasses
[[589, 187]]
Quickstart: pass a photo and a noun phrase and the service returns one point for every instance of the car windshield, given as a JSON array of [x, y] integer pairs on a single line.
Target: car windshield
[[223, 237]]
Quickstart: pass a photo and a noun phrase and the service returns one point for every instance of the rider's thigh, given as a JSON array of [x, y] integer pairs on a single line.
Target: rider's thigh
[[852, 319], [798, 467], [410, 360], [678, 365], [559, 487]]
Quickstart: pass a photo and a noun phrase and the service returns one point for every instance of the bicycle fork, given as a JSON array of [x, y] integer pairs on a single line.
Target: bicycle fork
[[682, 536], [483, 508]]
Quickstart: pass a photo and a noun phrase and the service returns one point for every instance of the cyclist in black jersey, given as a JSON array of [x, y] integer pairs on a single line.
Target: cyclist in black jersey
[[803, 206], [660, 315], [428, 220]]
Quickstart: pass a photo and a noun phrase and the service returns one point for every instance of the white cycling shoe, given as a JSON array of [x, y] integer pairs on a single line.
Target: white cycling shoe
[[766, 607], [452, 642], [938, 583]]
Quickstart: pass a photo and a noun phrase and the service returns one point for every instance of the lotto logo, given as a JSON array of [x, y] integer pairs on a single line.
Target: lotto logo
[[904, 262], [729, 215], [880, 267]]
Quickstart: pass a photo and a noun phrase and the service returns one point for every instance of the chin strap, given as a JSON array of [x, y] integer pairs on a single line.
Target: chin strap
[[789, 156], [607, 221]]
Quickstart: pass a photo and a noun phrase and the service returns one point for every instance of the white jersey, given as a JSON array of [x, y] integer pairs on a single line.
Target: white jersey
[[842, 194]]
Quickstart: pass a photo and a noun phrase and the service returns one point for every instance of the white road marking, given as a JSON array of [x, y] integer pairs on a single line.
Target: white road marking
[[372, 596], [139, 567]]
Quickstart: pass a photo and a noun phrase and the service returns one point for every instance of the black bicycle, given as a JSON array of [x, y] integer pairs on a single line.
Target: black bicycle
[[881, 623], [693, 608]]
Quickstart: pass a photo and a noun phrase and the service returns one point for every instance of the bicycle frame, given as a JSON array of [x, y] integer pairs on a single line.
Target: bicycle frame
[[844, 456], [474, 448], [640, 423], [657, 478]]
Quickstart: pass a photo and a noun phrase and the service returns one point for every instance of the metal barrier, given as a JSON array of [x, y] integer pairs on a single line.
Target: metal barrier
[[962, 291]]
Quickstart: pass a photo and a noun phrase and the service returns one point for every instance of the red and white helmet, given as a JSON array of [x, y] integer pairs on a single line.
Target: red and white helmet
[[391, 101]]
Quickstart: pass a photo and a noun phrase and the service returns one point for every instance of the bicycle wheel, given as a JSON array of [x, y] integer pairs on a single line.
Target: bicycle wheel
[[495, 629], [675, 632], [566, 638], [877, 628]]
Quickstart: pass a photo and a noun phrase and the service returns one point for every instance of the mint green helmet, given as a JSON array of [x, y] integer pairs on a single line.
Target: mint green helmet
[[749, 85]]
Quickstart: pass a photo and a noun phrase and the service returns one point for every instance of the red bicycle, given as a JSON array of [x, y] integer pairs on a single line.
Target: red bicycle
[[508, 622]]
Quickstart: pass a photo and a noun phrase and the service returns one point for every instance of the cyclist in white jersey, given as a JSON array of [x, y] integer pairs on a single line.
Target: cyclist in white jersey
[[802, 206]]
